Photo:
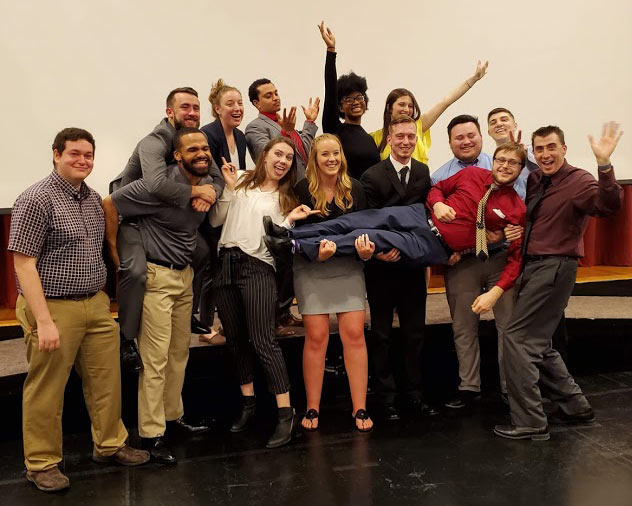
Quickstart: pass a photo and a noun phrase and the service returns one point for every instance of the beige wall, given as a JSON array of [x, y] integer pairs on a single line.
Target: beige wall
[[107, 66]]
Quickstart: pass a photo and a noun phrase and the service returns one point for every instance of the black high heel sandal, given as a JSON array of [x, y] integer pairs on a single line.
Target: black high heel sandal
[[311, 415], [361, 414]]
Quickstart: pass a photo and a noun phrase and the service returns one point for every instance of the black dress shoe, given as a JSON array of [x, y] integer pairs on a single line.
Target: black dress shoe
[[185, 425], [390, 413], [278, 247], [285, 428], [158, 450], [245, 417], [130, 358], [420, 407], [273, 229], [513, 432], [582, 418], [197, 327], [464, 398]]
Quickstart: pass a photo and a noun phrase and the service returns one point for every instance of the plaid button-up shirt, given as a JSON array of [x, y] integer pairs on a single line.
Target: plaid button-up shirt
[[63, 228]]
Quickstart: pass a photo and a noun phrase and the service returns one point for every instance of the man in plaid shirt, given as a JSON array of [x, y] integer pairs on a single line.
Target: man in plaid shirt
[[57, 228]]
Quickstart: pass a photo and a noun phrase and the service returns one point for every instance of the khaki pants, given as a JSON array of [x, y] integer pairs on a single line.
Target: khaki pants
[[163, 344], [89, 340], [465, 281]]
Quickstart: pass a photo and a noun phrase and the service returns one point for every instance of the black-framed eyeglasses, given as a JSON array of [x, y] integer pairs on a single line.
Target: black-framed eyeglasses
[[511, 163], [361, 99]]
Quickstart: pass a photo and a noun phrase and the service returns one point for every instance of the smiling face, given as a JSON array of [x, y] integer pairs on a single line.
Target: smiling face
[[278, 161], [403, 106], [507, 167], [328, 157], [230, 109], [353, 106], [466, 142], [499, 126], [184, 111], [402, 139], [549, 152], [269, 100], [194, 154], [75, 162]]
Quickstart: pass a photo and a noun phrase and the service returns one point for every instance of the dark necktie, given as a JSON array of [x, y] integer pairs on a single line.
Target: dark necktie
[[532, 209], [481, 238], [402, 177]]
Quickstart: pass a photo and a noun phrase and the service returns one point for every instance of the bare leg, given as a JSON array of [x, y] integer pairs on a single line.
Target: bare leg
[[314, 351], [283, 400], [351, 326], [247, 390]]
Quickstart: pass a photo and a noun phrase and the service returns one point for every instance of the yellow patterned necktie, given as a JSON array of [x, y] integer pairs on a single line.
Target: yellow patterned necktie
[[481, 239]]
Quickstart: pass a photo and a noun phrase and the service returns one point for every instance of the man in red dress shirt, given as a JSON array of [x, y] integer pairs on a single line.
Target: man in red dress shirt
[[472, 285], [560, 198]]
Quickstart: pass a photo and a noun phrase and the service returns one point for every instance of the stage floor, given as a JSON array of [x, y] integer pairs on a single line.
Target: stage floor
[[449, 459]]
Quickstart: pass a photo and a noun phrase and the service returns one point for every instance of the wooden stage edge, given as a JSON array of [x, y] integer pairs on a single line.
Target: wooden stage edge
[[595, 274]]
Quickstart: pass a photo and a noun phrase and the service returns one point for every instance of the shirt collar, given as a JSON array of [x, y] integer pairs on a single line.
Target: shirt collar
[[272, 116], [467, 164], [399, 166], [65, 186]]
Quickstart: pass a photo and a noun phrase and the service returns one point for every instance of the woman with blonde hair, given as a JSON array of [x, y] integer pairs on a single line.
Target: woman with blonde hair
[[245, 285], [336, 286]]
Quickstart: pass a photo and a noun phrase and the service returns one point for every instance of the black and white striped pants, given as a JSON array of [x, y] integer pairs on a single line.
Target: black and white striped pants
[[246, 298]]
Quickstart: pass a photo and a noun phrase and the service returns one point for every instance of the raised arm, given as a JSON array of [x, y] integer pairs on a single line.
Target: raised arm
[[429, 117], [331, 118]]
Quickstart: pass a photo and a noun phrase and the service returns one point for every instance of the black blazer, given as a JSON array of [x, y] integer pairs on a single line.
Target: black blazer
[[383, 188], [219, 146]]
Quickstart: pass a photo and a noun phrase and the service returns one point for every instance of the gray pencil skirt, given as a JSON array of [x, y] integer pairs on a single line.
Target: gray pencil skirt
[[334, 286]]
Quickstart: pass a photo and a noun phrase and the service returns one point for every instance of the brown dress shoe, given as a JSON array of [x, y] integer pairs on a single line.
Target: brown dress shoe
[[289, 320], [50, 480], [124, 456]]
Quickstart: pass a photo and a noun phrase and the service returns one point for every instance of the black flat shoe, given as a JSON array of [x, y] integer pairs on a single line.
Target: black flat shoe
[[197, 327], [245, 417], [158, 450], [361, 414], [420, 407], [186, 426], [273, 229], [310, 416], [284, 430], [130, 358], [513, 432]]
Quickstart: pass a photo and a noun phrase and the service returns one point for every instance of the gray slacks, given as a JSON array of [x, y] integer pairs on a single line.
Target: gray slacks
[[465, 281], [529, 358]]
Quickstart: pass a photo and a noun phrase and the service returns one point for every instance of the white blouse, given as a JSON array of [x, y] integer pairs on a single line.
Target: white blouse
[[241, 213]]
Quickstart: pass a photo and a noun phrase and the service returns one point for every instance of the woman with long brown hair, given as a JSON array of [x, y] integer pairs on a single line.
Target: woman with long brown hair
[[336, 286], [245, 284], [401, 102]]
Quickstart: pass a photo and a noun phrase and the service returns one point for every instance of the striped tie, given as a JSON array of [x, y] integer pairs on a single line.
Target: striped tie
[[481, 239]]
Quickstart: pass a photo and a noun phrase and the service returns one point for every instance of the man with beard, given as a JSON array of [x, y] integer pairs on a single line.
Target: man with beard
[[169, 237], [150, 161]]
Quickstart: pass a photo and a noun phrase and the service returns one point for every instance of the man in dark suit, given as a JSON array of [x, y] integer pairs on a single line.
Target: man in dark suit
[[397, 181]]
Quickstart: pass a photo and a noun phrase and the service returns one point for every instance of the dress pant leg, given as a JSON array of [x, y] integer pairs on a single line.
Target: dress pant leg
[[131, 277], [411, 311], [43, 396], [201, 265], [381, 296], [98, 365], [463, 282], [207, 300], [231, 310], [257, 285], [544, 292], [179, 345], [153, 346], [502, 310]]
